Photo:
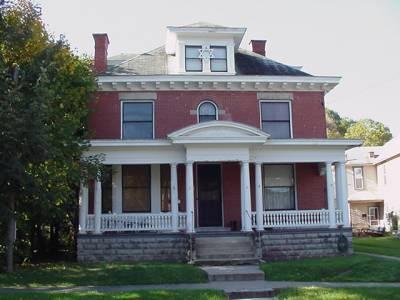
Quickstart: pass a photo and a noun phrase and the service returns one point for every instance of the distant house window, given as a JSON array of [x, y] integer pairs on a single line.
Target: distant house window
[[137, 120], [193, 62], [207, 111], [358, 175], [136, 185], [275, 117], [218, 61], [279, 193]]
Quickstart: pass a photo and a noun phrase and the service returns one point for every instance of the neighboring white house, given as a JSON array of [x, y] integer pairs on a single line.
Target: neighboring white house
[[373, 180]]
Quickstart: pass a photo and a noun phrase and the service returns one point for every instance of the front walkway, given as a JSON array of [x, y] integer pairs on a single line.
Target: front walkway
[[226, 286]]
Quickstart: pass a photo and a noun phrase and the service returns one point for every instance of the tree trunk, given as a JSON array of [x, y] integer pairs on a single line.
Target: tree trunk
[[11, 235]]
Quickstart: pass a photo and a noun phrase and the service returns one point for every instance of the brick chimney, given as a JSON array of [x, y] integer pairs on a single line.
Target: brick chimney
[[258, 46], [100, 51]]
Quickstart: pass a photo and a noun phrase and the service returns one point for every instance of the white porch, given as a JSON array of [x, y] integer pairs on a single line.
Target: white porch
[[215, 142]]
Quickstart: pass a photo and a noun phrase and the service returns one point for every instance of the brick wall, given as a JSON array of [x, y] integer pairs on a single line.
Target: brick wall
[[177, 109], [311, 187]]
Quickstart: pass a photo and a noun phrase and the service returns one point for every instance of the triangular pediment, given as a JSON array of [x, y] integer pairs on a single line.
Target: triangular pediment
[[219, 132]]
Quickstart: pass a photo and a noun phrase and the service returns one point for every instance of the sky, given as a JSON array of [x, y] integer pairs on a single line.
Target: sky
[[358, 40]]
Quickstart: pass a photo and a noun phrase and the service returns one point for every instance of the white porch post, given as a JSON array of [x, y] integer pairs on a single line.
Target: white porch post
[[116, 189], [83, 207], [259, 200], [174, 197], [97, 207], [189, 198], [341, 191], [247, 196], [242, 219], [329, 193]]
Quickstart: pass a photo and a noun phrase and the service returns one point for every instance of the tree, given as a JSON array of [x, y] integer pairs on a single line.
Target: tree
[[45, 90], [336, 125], [373, 133]]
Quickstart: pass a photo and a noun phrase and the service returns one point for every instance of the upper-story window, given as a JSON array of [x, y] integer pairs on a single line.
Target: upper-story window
[[207, 111], [275, 119], [358, 175], [218, 59], [193, 62], [137, 120]]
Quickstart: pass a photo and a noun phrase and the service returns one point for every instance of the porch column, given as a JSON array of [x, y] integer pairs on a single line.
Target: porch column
[[247, 196], [341, 191], [97, 206], [189, 198], [174, 197], [259, 200], [83, 207], [329, 193], [117, 189], [242, 220]]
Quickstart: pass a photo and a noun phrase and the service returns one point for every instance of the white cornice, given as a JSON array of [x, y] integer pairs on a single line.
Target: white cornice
[[216, 82], [347, 143]]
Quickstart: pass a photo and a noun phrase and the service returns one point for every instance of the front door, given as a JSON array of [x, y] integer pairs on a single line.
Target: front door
[[209, 198]]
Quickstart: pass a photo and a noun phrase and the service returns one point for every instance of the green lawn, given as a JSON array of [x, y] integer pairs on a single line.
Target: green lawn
[[148, 295], [340, 293], [354, 268], [74, 274], [387, 245]]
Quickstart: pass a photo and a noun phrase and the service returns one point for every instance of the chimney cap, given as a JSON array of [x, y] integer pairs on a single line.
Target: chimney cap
[[263, 41], [95, 35]]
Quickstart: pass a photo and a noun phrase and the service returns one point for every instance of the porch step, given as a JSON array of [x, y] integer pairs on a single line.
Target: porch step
[[261, 294], [224, 248], [233, 273], [227, 261]]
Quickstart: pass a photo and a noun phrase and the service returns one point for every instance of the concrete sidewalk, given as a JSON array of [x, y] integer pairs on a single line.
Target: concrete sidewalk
[[226, 286], [379, 255]]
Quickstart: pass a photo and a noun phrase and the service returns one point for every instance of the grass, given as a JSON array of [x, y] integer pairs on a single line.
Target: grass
[[361, 268], [340, 293], [74, 274], [148, 295], [387, 245]]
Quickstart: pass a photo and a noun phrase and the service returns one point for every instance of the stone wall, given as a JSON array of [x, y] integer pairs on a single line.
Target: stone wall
[[132, 247], [303, 243]]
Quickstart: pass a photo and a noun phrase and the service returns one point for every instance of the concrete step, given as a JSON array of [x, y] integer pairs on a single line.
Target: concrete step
[[226, 262], [224, 249], [234, 273], [225, 256], [261, 294]]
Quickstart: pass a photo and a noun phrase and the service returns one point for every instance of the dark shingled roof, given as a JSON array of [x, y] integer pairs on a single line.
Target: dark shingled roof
[[154, 62]]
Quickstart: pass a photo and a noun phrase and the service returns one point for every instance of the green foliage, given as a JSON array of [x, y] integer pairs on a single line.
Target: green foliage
[[74, 274], [373, 133], [387, 245], [45, 90], [355, 268]]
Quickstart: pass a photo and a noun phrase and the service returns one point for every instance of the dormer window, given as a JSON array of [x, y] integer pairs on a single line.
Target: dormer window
[[218, 60], [207, 111], [193, 62]]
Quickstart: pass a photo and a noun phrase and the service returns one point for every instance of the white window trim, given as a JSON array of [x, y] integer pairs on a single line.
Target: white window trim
[[354, 178], [207, 101], [290, 112], [122, 115], [369, 214]]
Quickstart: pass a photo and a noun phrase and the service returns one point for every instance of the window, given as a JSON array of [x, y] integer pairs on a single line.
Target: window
[[193, 63], [137, 120], [373, 216], [358, 178], [279, 187], [207, 111], [218, 63], [275, 117], [136, 185], [165, 178]]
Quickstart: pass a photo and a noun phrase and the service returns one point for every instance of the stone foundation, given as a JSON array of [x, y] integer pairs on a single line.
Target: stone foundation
[[132, 247], [303, 243]]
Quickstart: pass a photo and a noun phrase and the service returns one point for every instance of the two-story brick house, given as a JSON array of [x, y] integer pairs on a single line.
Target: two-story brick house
[[205, 139]]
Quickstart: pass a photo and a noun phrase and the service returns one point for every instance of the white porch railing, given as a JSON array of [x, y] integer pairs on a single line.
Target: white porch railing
[[297, 218], [136, 222]]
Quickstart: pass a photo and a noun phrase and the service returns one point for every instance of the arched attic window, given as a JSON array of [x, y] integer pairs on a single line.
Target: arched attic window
[[207, 111]]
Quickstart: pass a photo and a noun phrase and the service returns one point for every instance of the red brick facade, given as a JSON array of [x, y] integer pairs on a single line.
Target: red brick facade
[[175, 110]]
